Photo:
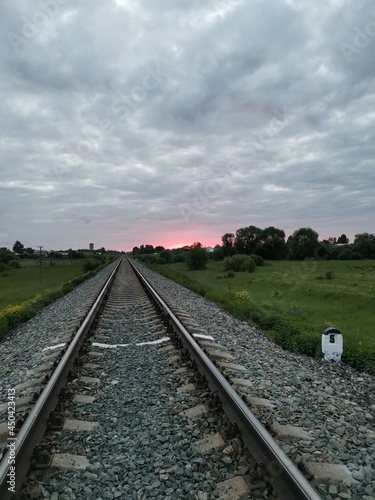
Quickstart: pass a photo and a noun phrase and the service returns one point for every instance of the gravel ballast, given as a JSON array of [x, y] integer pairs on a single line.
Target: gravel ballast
[[141, 445]]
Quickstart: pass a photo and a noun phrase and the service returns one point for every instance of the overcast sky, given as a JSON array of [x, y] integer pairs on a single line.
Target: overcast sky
[[168, 122]]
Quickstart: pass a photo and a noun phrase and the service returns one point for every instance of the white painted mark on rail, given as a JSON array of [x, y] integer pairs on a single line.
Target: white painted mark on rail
[[108, 346], [114, 346], [154, 342], [200, 336], [53, 347]]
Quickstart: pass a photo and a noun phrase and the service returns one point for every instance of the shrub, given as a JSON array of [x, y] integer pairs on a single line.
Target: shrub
[[239, 263], [14, 315], [6, 255], [178, 257], [348, 253], [100, 259], [90, 265], [196, 258], [259, 261], [147, 258], [14, 264], [3, 267], [231, 274], [161, 261], [235, 263], [329, 275], [166, 255], [218, 253], [250, 265]]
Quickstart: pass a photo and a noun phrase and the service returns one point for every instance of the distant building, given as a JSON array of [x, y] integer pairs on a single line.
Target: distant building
[[209, 249], [91, 247]]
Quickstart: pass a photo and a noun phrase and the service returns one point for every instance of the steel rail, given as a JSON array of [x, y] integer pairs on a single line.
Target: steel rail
[[35, 424], [284, 476]]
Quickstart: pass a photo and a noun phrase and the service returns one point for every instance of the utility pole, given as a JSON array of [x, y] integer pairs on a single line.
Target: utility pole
[[40, 261]]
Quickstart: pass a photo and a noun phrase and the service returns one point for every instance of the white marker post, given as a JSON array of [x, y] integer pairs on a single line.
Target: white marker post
[[332, 344]]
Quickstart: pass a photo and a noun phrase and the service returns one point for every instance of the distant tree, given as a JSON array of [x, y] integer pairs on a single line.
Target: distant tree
[[18, 247], [331, 240], [302, 243], [247, 239], [196, 257], [325, 250], [102, 250], [30, 250], [228, 244], [178, 256], [147, 249], [73, 254], [56, 255], [151, 259], [218, 253], [349, 253], [271, 243], [166, 255], [343, 239], [364, 244], [135, 250], [159, 249], [5, 255]]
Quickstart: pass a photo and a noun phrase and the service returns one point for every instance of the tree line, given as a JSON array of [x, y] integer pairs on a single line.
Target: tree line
[[271, 244]]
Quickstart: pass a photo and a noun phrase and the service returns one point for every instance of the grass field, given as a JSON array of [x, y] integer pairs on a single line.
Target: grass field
[[22, 284], [26, 290], [292, 302]]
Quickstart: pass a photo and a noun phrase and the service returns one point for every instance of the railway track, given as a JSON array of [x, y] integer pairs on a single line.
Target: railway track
[[129, 341]]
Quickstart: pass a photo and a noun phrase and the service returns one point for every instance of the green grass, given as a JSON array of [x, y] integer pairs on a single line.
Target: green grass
[[26, 290], [292, 302], [22, 284]]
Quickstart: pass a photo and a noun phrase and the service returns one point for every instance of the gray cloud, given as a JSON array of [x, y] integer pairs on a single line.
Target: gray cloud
[[157, 122]]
